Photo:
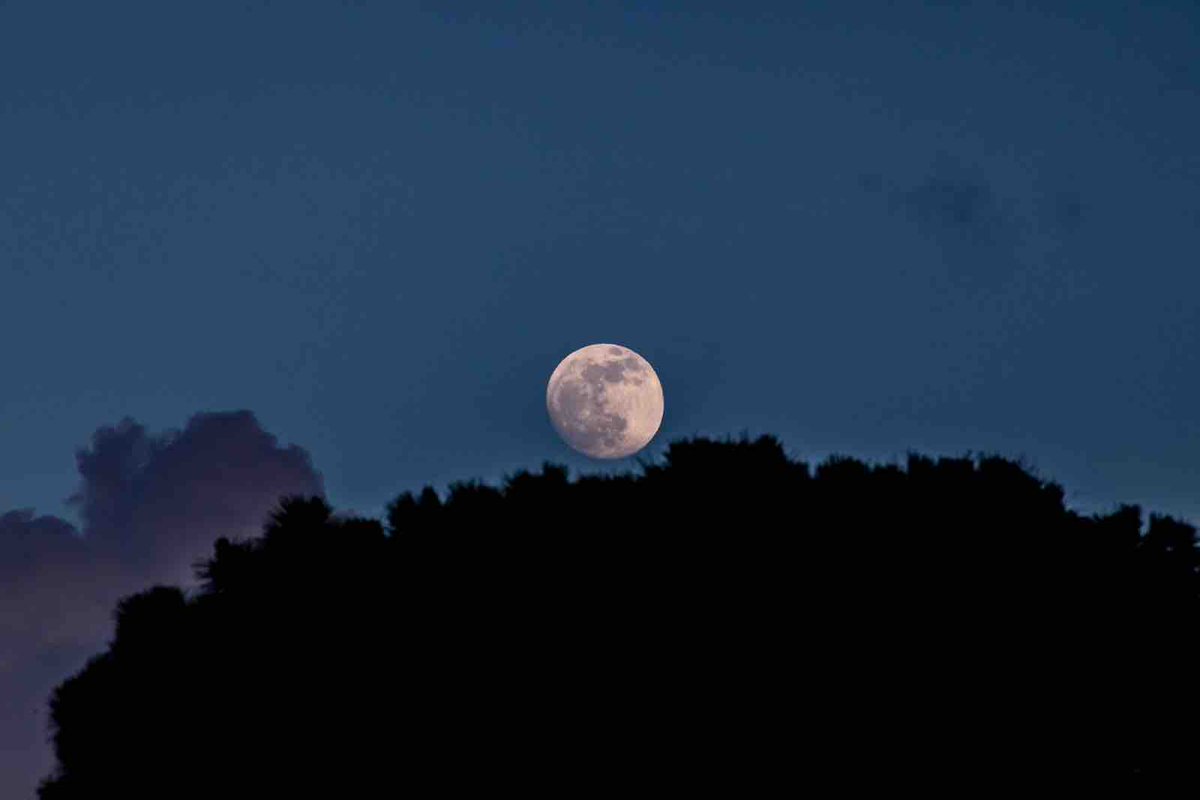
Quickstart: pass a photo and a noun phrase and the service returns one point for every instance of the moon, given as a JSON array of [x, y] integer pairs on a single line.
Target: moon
[[605, 401]]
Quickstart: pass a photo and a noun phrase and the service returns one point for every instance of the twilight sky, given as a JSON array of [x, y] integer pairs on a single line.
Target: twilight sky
[[378, 226]]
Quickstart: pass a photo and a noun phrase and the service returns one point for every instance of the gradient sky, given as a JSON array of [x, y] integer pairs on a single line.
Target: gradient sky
[[379, 226]]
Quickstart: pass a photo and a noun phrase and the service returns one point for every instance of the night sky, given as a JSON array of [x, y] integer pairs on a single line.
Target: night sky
[[249, 248]]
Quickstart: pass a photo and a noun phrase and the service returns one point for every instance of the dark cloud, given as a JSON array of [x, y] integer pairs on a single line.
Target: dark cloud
[[1067, 211], [960, 206], [153, 497], [40, 561], [55, 596], [976, 227], [22, 525], [26, 539], [150, 505], [871, 182]]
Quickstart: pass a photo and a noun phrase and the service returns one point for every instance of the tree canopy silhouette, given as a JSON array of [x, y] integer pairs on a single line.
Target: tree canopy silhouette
[[727, 619]]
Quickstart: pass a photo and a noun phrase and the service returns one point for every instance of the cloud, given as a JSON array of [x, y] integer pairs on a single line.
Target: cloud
[[1067, 211], [39, 559], [976, 227], [960, 208], [151, 498], [25, 539], [957, 206], [150, 505]]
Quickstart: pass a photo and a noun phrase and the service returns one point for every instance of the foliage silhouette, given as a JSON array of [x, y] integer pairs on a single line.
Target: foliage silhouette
[[728, 619]]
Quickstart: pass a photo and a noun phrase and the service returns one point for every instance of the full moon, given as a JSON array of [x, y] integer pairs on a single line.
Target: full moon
[[605, 401]]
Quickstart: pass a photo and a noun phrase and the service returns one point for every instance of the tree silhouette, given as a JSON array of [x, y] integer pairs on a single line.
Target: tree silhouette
[[728, 620]]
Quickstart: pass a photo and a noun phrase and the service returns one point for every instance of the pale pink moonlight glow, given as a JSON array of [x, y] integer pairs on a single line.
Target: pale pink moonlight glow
[[605, 401]]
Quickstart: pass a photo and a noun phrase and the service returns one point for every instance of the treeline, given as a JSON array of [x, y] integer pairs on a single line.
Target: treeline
[[726, 620]]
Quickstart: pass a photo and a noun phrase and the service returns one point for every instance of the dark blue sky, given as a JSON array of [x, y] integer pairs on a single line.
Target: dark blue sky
[[379, 226]]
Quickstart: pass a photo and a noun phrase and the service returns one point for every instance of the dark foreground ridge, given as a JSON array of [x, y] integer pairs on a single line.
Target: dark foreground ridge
[[727, 620]]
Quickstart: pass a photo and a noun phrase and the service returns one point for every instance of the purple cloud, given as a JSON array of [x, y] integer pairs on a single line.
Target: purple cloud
[[150, 505]]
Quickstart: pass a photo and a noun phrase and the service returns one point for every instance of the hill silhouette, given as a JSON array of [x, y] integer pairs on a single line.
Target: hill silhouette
[[727, 619]]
